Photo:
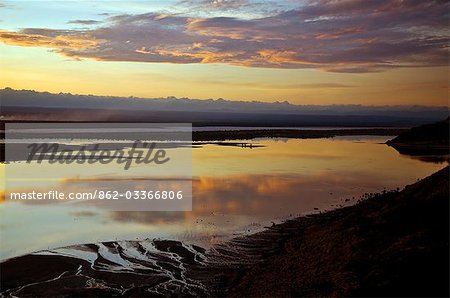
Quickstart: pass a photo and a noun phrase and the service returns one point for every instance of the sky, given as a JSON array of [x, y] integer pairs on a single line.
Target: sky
[[368, 52]]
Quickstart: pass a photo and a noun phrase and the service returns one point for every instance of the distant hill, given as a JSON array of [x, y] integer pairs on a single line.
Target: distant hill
[[28, 105], [425, 139]]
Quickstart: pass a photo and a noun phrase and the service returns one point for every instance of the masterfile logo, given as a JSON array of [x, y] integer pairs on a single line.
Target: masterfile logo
[[118, 166]]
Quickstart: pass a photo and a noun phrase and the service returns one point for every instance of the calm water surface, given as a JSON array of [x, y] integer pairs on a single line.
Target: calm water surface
[[235, 191]]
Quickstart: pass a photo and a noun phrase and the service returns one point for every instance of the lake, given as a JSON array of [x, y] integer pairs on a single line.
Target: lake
[[236, 191]]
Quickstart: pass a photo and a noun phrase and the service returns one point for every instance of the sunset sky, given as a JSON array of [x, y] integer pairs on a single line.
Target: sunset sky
[[370, 52]]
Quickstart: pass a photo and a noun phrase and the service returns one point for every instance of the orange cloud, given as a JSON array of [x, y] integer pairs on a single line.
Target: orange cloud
[[337, 36], [61, 42]]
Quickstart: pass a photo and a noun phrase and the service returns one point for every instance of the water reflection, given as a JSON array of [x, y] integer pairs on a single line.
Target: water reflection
[[235, 190], [262, 197]]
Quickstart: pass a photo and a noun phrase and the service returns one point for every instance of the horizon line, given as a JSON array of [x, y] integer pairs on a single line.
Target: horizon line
[[280, 102]]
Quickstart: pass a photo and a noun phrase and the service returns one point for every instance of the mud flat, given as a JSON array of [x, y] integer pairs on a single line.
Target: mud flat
[[389, 244], [392, 244]]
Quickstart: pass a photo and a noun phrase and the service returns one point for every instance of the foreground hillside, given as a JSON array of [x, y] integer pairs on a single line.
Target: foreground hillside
[[394, 244]]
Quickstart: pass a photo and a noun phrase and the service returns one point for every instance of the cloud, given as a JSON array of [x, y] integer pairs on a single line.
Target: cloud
[[215, 4], [61, 40], [6, 5], [84, 22], [243, 8], [352, 36]]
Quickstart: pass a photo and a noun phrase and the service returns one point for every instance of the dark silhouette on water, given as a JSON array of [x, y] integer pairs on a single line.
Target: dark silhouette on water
[[429, 139]]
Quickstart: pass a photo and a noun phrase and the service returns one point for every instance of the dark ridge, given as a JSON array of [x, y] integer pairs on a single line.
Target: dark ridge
[[392, 244], [28, 105], [290, 133], [427, 139], [209, 118]]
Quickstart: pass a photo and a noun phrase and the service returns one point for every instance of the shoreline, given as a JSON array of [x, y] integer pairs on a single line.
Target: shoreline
[[327, 254], [230, 135], [391, 244], [291, 133]]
